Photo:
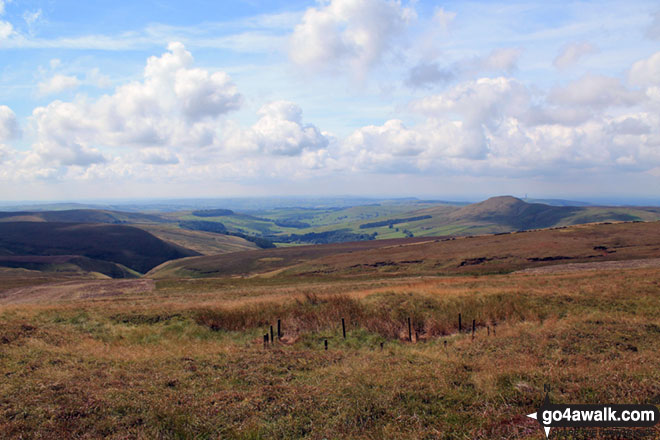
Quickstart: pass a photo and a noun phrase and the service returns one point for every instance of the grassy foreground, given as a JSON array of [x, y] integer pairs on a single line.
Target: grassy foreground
[[187, 360]]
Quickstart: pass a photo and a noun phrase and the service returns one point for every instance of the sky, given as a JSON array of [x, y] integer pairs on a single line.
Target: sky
[[456, 99]]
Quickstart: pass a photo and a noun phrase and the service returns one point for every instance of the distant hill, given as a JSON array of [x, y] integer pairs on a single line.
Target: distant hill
[[497, 253], [507, 214], [67, 264], [206, 243], [386, 220], [557, 202], [126, 245], [513, 213], [80, 216], [264, 260]]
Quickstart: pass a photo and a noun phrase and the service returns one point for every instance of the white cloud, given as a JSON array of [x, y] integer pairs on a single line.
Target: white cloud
[[31, 18], [596, 91], [570, 54], [497, 126], [348, 33], [158, 156], [392, 138], [646, 72], [8, 124], [71, 153], [6, 30], [279, 131], [175, 106], [97, 79], [503, 59], [427, 74], [204, 95], [482, 101], [57, 84]]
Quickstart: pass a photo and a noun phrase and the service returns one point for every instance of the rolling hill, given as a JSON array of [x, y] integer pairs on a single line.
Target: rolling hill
[[80, 216], [126, 245], [497, 253], [506, 214], [205, 243], [74, 265]]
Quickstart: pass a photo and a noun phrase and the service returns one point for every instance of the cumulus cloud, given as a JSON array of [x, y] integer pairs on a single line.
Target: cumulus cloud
[[58, 84], [6, 28], [158, 156], [570, 54], [353, 33], [8, 124], [427, 74], [60, 154], [173, 105], [596, 91], [499, 126], [279, 131], [646, 72], [482, 101]]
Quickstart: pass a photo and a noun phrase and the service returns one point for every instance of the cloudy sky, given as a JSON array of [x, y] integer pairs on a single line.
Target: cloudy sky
[[115, 99]]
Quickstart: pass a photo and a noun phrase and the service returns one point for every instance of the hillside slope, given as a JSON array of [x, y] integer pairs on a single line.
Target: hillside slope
[[80, 216], [66, 265], [508, 214], [437, 256], [205, 243], [264, 260], [126, 245]]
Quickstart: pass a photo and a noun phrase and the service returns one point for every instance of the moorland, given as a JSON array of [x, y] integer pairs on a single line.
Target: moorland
[[140, 325]]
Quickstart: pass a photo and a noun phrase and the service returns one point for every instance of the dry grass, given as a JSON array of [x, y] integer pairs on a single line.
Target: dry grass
[[187, 361]]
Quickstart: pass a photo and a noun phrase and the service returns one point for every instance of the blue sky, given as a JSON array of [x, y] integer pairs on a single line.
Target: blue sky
[[364, 97]]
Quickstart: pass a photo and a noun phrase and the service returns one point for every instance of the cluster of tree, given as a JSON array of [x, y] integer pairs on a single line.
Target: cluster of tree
[[263, 243], [212, 212], [202, 225], [393, 221], [287, 223], [219, 228], [338, 236]]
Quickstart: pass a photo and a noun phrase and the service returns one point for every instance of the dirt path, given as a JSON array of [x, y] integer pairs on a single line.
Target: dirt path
[[603, 265], [72, 290]]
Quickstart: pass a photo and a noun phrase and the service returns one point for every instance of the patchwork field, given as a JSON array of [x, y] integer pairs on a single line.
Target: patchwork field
[[185, 357]]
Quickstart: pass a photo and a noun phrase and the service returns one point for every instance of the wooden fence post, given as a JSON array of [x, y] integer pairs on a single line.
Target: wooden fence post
[[272, 335], [343, 327], [279, 329], [326, 344], [474, 327], [460, 325], [266, 340], [409, 330]]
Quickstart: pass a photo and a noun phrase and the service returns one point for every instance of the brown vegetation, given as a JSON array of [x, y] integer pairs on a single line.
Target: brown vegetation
[[185, 358]]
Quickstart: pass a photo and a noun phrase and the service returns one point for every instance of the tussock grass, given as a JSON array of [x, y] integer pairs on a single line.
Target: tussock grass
[[191, 363]]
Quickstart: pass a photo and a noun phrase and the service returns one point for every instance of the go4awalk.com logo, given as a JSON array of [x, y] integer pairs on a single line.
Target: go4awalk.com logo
[[551, 415]]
